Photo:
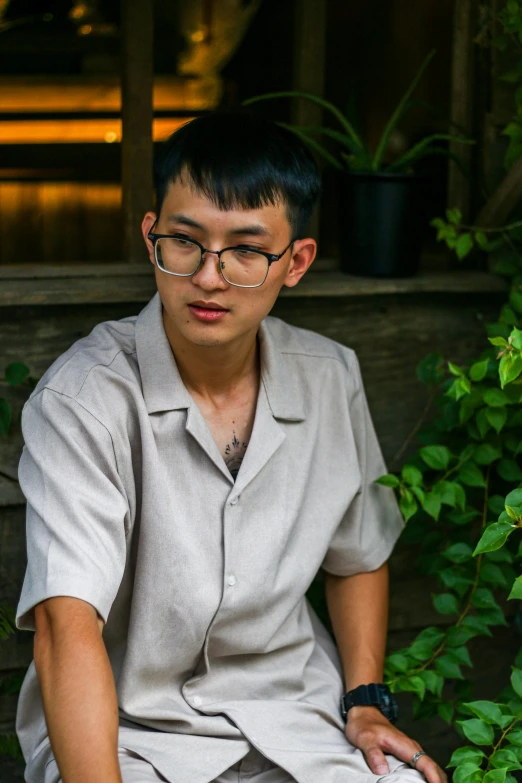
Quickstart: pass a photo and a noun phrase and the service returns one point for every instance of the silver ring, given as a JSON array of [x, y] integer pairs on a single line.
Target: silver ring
[[416, 757]]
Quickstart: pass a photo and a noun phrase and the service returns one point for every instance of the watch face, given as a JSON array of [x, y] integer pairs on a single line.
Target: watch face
[[387, 704]]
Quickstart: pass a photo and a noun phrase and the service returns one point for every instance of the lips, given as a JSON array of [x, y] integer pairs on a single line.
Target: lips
[[207, 311]]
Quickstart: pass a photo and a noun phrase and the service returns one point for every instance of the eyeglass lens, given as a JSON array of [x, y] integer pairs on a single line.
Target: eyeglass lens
[[239, 267]]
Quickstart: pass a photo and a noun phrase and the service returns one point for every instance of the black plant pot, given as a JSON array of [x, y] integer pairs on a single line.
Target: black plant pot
[[382, 223]]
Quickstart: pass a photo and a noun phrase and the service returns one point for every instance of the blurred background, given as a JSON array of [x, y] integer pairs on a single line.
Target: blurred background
[[60, 97]]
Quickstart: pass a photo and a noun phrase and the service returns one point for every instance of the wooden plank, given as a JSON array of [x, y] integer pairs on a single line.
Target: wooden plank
[[136, 113], [462, 72], [97, 284]]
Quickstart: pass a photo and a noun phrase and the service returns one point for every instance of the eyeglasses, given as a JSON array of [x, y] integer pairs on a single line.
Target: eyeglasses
[[242, 266]]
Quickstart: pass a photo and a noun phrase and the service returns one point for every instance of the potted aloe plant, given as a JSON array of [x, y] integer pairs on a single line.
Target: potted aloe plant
[[381, 206]]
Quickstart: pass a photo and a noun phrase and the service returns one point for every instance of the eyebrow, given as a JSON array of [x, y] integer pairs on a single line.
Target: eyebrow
[[254, 229]]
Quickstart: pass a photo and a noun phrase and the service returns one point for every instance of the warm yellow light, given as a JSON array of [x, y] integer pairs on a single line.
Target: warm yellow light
[[85, 29], [98, 94], [77, 131]]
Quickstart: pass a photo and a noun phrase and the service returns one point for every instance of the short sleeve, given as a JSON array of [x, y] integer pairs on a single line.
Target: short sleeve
[[369, 529], [76, 506]]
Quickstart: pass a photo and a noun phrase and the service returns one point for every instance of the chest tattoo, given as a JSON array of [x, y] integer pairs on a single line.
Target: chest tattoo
[[234, 453]]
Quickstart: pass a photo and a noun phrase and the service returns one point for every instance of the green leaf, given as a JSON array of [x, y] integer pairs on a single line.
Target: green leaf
[[454, 581], [454, 370], [466, 754], [482, 422], [398, 662], [495, 398], [497, 417], [516, 590], [508, 470], [516, 681], [486, 453], [459, 655], [16, 373], [432, 504], [495, 776], [430, 369], [481, 239], [515, 737], [501, 342], [475, 626], [492, 575], [515, 300], [509, 368], [494, 616], [412, 475], [451, 493], [445, 603], [477, 731], [458, 553], [487, 711], [515, 338], [407, 504], [436, 457], [483, 598], [493, 537], [514, 498], [448, 668], [5, 416], [454, 216], [445, 711], [467, 773], [478, 370], [434, 682], [388, 480], [414, 684], [464, 245], [505, 758], [471, 475]]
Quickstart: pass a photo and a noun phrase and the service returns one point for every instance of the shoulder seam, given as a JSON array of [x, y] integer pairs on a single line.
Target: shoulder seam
[[81, 405]]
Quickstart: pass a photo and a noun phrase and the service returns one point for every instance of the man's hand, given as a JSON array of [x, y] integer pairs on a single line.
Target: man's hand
[[371, 732]]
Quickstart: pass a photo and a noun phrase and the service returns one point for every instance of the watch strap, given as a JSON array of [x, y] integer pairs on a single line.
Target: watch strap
[[373, 694]]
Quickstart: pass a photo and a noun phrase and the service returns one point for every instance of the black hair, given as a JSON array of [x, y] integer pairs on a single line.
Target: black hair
[[240, 160]]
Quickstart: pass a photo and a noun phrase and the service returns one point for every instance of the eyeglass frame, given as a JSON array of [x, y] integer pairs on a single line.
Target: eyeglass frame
[[270, 257]]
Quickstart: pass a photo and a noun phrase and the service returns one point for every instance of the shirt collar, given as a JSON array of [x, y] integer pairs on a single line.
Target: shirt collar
[[163, 388]]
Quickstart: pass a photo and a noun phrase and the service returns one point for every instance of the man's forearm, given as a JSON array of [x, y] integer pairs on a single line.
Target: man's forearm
[[358, 609], [80, 703]]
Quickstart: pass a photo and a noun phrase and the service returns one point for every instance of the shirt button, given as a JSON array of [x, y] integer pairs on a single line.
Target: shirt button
[[197, 700], [234, 501], [231, 579]]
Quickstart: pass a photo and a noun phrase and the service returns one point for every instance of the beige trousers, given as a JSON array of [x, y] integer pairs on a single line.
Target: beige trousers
[[135, 769], [253, 768]]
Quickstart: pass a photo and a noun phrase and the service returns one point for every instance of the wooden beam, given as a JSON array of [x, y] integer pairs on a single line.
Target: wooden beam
[[137, 113], [309, 57], [503, 201], [462, 73], [309, 62]]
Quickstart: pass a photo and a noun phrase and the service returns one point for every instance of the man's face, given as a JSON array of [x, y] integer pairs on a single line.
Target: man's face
[[186, 212]]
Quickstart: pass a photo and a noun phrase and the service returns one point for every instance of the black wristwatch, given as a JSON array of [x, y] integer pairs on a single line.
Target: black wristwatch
[[376, 694]]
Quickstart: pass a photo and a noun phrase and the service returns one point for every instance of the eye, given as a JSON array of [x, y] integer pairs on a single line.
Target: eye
[[181, 241]]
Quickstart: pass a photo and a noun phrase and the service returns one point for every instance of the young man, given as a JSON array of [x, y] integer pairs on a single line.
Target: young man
[[187, 472]]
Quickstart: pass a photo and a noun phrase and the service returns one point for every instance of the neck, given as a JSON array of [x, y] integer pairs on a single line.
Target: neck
[[214, 372]]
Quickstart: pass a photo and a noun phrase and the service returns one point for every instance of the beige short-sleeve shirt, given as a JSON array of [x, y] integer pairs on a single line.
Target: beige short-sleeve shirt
[[201, 580]]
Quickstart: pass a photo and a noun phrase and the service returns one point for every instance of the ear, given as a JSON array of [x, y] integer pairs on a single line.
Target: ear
[[303, 253], [146, 225]]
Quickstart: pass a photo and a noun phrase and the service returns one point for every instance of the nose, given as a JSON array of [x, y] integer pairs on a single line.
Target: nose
[[209, 276]]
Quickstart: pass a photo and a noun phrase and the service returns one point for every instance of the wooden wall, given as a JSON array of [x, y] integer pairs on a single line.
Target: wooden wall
[[390, 334]]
